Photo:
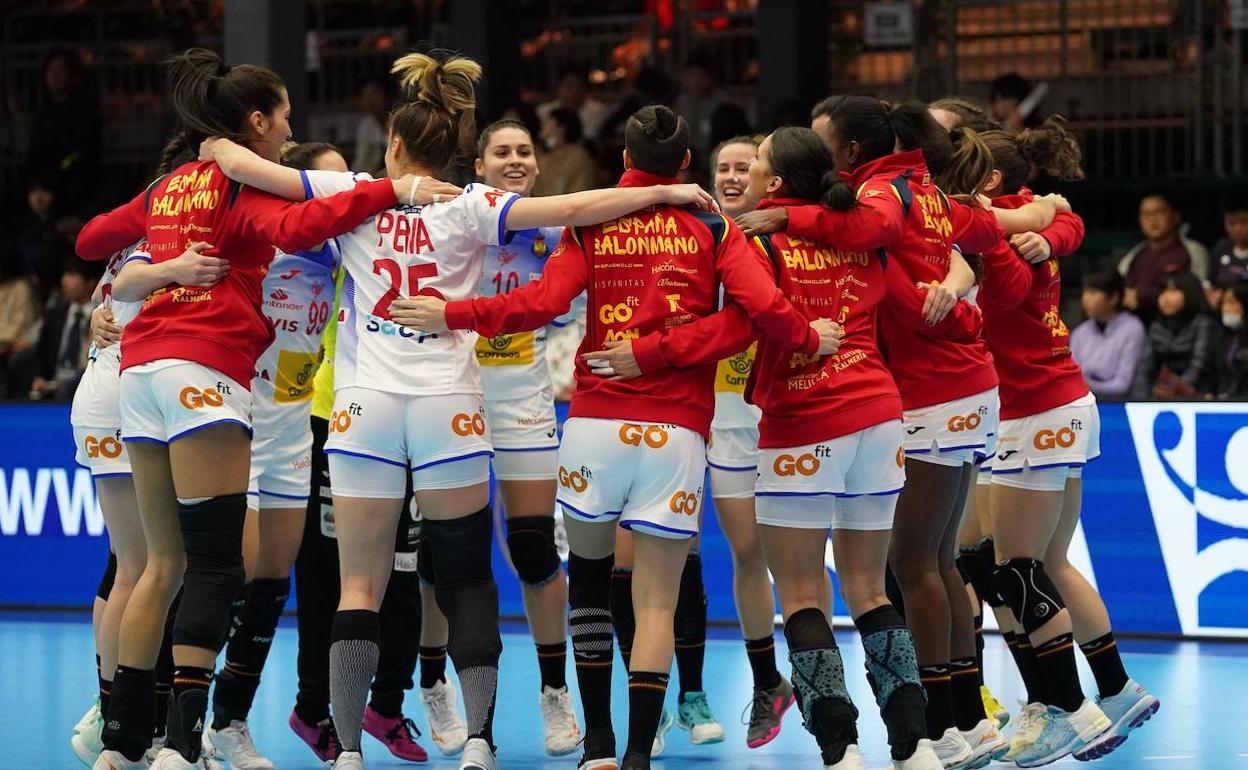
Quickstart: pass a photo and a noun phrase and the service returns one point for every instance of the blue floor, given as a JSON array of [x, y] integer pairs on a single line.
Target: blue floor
[[47, 679]]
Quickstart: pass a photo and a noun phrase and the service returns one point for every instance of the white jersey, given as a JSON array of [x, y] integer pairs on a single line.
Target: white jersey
[[514, 366], [123, 312], [298, 294], [401, 252]]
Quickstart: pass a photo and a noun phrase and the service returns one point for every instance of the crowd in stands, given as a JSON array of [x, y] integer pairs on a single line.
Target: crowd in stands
[[1166, 322]]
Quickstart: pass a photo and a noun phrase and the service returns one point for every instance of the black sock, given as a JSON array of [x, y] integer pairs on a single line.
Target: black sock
[[164, 671], [432, 666], [1056, 658], [251, 637], [1038, 690], [937, 683], [106, 688], [163, 693], [353, 654], [187, 709], [968, 705], [762, 656], [128, 728], [622, 618], [979, 647], [552, 661], [690, 626], [1106, 662], [589, 624], [646, 692]]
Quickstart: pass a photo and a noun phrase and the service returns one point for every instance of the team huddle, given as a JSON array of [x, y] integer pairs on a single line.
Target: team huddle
[[298, 366]]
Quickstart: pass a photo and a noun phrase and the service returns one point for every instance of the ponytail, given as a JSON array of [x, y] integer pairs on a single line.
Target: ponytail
[[175, 153], [916, 129], [212, 98], [865, 120], [837, 195], [1051, 148], [969, 168], [437, 98]]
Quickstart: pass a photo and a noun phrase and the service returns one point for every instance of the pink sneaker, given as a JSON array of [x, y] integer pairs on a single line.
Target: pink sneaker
[[321, 737], [397, 733]]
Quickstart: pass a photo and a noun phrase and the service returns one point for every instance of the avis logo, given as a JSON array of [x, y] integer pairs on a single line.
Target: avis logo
[[1193, 457]]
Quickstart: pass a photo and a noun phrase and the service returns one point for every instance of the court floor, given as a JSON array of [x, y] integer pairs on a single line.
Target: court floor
[[47, 678]]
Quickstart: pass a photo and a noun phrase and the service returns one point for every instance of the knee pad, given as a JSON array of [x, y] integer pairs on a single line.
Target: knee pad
[[106, 580], [265, 601], [589, 581], [531, 544], [977, 572], [460, 550], [212, 535], [622, 616], [424, 562], [691, 603], [1029, 593], [465, 589]]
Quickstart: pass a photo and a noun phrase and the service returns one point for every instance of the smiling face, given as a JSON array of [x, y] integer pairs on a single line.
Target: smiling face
[[732, 170], [508, 161]]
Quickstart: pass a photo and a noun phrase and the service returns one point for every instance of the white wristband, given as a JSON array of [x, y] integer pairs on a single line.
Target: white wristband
[[411, 196]]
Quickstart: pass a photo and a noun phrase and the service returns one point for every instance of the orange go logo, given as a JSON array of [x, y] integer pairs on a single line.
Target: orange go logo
[[340, 422], [574, 480], [468, 425], [194, 398], [788, 465], [1047, 439], [958, 423], [684, 502], [633, 434], [108, 447]]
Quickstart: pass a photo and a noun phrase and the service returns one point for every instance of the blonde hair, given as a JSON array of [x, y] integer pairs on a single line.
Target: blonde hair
[[437, 99]]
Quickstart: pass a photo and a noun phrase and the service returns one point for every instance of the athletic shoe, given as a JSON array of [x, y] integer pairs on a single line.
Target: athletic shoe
[[114, 760], [1127, 710], [158, 743], [1026, 729], [446, 727], [478, 755], [171, 759], [993, 708], [235, 745], [987, 744], [208, 755], [952, 749], [660, 736], [1065, 733], [851, 760], [92, 715], [563, 734], [696, 717], [396, 733], [923, 758], [599, 752], [321, 737], [349, 760], [766, 712], [87, 741], [636, 762]]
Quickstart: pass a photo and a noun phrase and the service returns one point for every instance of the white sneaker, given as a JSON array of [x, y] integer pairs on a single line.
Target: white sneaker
[[348, 760], [234, 744], [92, 714], [563, 734], [446, 726], [952, 749], [987, 743], [171, 759], [1027, 727], [87, 741], [923, 758], [157, 745], [114, 760], [851, 761], [660, 736], [478, 756]]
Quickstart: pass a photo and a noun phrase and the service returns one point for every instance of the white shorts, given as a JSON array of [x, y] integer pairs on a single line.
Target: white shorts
[[102, 451], [281, 456], [96, 418], [647, 475], [525, 436], [732, 457], [444, 439], [867, 463], [955, 432], [169, 399], [1039, 452], [863, 513]]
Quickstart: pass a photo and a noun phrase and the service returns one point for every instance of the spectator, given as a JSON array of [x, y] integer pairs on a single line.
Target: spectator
[[1108, 345], [1180, 358], [52, 367], [1233, 372], [65, 134], [1229, 258], [699, 97], [1015, 102], [572, 91], [40, 243], [375, 98], [18, 310], [525, 114], [566, 165], [1164, 250]]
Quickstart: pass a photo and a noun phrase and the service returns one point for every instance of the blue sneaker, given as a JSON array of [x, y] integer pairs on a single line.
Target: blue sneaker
[[696, 717], [660, 737], [1127, 711], [1064, 734]]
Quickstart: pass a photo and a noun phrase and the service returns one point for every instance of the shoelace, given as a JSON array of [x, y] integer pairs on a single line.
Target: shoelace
[[245, 742], [404, 729], [761, 702], [699, 711], [562, 716]]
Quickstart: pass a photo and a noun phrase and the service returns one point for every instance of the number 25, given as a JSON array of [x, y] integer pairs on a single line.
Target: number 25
[[395, 274]]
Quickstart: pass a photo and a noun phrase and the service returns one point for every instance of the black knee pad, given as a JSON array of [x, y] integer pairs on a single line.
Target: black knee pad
[[106, 580], [212, 535], [531, 544], [808, 629], [1027, 590], [691, 602], [589, 581], [977, 572], [424, 562], [464, 586]]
